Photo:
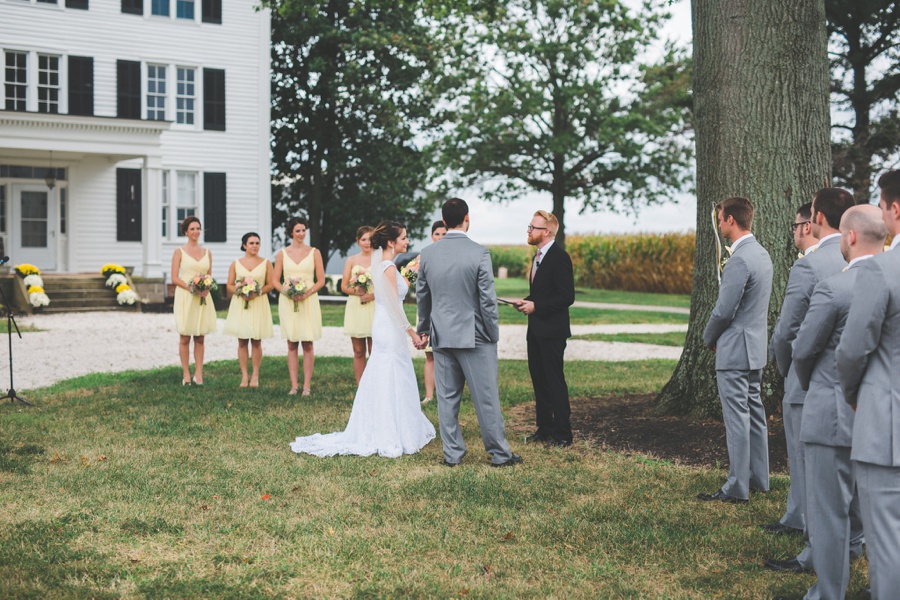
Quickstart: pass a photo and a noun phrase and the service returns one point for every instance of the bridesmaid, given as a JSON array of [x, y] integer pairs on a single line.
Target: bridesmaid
[[192, 319], [299, 260], [249, 317], [360, 309], [438, 230]]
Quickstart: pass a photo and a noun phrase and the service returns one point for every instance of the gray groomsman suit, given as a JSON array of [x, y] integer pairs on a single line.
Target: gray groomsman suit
[[737, 330], [805, 274], [458, 311], [826, 436], [868, 362]]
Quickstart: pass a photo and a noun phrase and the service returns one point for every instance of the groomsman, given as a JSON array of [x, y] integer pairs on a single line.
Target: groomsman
[[829, 205], [736, 332], [551, 293], [868, 363], [827, 425], [792, 521]]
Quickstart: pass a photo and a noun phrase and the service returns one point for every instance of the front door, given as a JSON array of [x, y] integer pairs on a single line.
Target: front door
[[34, 237]]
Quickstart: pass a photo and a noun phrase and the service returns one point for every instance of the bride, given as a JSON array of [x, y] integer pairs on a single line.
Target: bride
[[386, 417]]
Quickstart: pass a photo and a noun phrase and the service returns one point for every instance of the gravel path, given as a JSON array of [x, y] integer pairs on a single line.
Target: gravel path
[[73, 344]]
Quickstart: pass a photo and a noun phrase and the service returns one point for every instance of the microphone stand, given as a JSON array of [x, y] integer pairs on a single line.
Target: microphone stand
[[10, 323]]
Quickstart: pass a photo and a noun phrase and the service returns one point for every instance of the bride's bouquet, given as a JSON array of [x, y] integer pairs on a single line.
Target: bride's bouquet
[[410, 272], [293, 288], [360, 279], [246, 287], [203, 283]]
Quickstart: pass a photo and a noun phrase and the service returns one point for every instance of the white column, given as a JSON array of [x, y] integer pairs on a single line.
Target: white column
[[151, 233]]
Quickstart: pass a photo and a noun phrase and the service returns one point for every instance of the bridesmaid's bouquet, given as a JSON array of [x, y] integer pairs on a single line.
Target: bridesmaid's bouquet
[[360, 279], [293, 288], [203, 283], [411, 271], [246, 287]]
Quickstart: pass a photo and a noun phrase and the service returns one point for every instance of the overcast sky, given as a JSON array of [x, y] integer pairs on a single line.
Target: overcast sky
[[505, 223]]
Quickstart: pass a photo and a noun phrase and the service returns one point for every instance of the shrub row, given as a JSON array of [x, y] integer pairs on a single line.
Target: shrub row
[[637, 263]]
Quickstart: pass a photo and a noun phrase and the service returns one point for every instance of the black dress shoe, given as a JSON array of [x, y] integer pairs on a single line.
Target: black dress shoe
[[559, 443], [447, 463], [721, 497], [536, 438], [779, 529], [786, 566], [514, 460]]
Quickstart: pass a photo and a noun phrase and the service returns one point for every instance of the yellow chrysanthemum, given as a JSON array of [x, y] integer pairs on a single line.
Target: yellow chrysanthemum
[[122, 287], [25, 270], [109, 269], [35, 289]]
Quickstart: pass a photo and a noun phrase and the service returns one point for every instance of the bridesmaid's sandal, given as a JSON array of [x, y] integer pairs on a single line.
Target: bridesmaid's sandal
[[293, 392], [254, 384], [185, 382], [426, 400], [306, 392], [195, 382], [244, 384]]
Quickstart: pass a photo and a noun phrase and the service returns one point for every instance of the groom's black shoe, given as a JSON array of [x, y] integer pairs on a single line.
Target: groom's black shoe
[[449, 464], [555, 443], [721, 497], [514, 460], [535, 438]]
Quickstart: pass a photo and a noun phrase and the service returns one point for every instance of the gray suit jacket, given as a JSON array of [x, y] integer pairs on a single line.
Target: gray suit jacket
[[827, 418], [805, 274], [738, 324], [455, 294], [868, 360]]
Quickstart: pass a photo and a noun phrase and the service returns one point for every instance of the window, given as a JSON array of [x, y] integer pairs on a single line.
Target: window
[[81, 85], [160, 7], [166, 208], [184, 9], [133, 7], [16, 80], [63, 193], [128, 205], [48, 83], [46, 1], [186, 196], [128, 89], [82, 4], [35, 212], [211, 11], [185, 96], [214, 207], [2, 209], [156, 92], [214, 99]]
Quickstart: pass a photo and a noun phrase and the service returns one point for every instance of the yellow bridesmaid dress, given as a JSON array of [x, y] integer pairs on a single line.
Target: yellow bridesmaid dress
[[255, 321], [305, 325], [190, 317], [358, 316]]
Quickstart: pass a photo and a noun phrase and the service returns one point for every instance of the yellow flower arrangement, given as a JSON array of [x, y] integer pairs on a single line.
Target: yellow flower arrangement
[[35, 289], [122, 287], [109, 269], [24, 270]]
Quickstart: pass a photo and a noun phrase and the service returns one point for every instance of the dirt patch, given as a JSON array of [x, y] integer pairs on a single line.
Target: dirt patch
[[627, 424]]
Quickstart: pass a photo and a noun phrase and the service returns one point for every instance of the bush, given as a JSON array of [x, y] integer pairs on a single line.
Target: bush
[[636, 263], [516, 259]]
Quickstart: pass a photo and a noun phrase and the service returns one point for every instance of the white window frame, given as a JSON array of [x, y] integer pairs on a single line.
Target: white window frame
[[49, 87], [166, 204], [187, 198], [25, 53], [194, 3], [163, 97], [182, 115], [153, 14]]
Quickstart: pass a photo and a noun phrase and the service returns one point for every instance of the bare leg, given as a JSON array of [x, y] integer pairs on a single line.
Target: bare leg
[[429, 375], [293, 359], [359, 357], [199, 349], [243, 356], [257, 362], [309, 359], [184, 352]]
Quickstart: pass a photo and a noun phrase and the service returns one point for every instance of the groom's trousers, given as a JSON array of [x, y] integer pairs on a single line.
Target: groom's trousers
[[453, 368]]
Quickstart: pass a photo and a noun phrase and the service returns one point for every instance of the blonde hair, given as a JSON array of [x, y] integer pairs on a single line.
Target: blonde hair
[[552, 221]]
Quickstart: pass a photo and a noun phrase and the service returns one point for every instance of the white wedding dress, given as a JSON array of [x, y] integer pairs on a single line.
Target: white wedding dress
[[386, 417]]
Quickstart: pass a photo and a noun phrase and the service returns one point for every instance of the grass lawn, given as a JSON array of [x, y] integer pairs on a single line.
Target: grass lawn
[[22, 328], [132, 485], [518, 287], [672, 338]]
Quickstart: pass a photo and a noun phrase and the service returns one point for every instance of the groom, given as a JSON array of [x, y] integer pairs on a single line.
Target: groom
[[458, 312]]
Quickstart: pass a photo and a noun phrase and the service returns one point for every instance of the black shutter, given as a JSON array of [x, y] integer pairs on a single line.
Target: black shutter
[[214, 99], [133, 7], [212, 11], [128, 92], [128, 205], [82, 4], [81, 85], [214, 207]]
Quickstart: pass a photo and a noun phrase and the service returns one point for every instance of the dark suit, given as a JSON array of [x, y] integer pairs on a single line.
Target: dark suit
[[552, 291]]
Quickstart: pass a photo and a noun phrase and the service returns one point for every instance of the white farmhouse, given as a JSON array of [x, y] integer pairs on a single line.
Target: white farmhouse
[[118, 118]]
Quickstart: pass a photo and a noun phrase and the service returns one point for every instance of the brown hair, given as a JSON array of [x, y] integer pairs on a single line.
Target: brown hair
[[833, 203], [738, 207], [454, 212], [890, 187], [187, 223], [293, 222], [363, 231], [386, 231]]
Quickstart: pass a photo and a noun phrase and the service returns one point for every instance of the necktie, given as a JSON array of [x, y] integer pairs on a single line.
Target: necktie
[[534, 266]]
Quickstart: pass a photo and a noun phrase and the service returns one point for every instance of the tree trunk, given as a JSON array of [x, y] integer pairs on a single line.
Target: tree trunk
[[761, 92], [559, 199]]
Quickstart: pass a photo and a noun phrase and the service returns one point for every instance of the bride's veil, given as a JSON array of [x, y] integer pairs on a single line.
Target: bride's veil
[[386, 293]]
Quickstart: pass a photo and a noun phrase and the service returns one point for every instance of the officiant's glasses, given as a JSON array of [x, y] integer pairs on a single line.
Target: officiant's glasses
[[532, 228]]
